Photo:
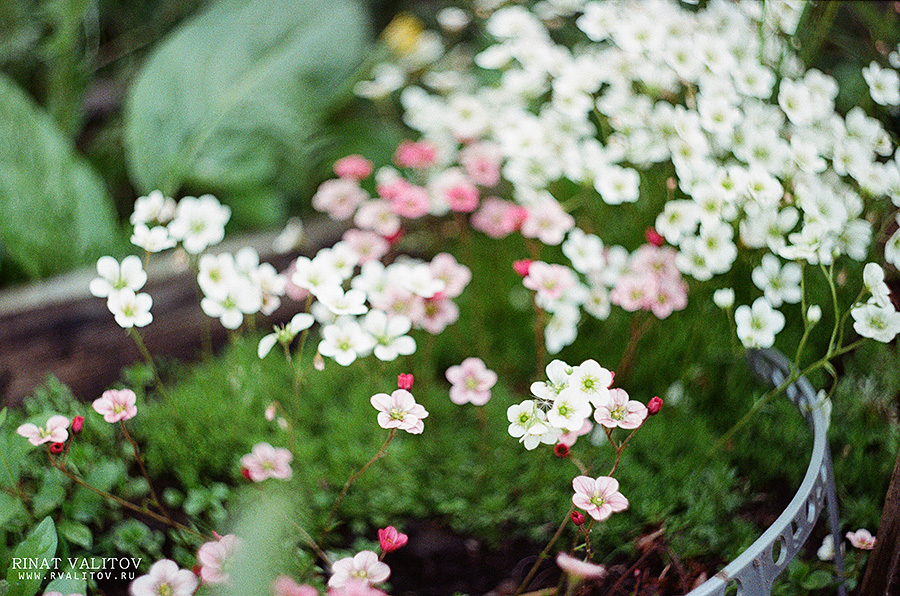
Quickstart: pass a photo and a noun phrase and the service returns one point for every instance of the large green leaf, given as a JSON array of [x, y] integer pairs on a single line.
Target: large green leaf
[[228, 102], [54, 210], [37, 551]]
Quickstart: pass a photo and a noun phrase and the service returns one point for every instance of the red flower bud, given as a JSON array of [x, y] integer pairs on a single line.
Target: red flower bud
[[57, 447], [196, 570], [405, 381], [654, 405], [77, 424], [561, 450], [522, 267], [245, 473], [577, 518], [653, 237], [395, 237]]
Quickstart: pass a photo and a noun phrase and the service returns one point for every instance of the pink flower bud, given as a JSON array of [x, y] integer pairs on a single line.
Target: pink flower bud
[[522, 267], [577, 518], [395, 237], [654, 405], [653, 237], [77, 424], [245, 473], [561, 450], [57, 447], [519, 215], [405, 381], [390, 539], [354, 167], [318, 362]]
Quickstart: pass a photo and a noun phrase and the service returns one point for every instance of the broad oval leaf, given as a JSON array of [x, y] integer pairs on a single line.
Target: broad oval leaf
[[228, 102], [37, 550], [54, 210]]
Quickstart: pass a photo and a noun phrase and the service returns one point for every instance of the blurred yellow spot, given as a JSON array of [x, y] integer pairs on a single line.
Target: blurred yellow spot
[[402, 34]]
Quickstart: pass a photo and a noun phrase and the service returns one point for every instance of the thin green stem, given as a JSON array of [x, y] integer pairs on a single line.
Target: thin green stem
[[353, 478], [142, 348], [140, 461], [544, 553]]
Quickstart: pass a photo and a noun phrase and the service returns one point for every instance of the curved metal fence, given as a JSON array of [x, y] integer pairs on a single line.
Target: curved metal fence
[[755, 570]]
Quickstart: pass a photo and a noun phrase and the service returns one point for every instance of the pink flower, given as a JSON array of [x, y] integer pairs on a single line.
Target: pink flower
[[455, 276], [405, 381], [339, 198], [285, 586], [354, 167], [414, 155], [55, 431], [471, 382], [265, 461], [578, 568], [550, 281], [599, 497], [390, 539], [632, 291], [438, 312], [568, 439], [399, 410], [547, 222], [620, 411], [165, 579], [365, 566], [367, 245], [861, 539], [482, 163], [214, 557], [410, 201], [356, 587], [497, 218], [116, 405]]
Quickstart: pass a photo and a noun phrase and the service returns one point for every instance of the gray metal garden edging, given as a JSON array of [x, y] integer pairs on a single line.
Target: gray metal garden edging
[[754, 571]]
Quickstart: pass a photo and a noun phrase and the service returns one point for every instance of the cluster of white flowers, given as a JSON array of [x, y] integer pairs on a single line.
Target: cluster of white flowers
[[373, 311], [761, 158], [564, 403], [238, 285], [119, 284], [160, 223], [877, 318]]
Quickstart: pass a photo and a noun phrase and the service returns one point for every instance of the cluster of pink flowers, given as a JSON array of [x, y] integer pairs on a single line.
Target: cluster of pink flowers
[[651, 282]]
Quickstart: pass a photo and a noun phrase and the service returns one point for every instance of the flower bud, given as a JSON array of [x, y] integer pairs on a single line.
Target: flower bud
[[522, 267], [77, 424], [245, 473], [561, 450], [654, 237], [654, 405], [405, 381], [390, 539], [57, 447], [318, 362], [814, 314], [577, 518], [724, 298], [395, 237]]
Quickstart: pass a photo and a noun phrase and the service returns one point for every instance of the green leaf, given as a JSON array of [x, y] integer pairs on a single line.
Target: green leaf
[[38, 547], [10, 508], [56, 212], [51, 494], [227, 103], [76, 533], [68, 585], [3, 415], [817, 580]]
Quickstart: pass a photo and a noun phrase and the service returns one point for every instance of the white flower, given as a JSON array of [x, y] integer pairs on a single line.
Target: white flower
[[389, 334], [881, 323], [345, 341], [114, 277], [155, 207], [569, 411], [130, 309], [314, 274], [351, 302], [884, 84], [826, 551], [155, 239], [873, 280], [286, 334], [165, 579], [199, 223], [238, 297], [758, 325], [592, 381], [779, 284]]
